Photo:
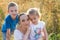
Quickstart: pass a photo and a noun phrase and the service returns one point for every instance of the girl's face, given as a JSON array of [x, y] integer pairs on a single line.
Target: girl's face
[[24, 21], [33, 18]]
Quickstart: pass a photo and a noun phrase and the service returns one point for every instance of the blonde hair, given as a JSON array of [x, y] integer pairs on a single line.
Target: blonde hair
[[34, 11]]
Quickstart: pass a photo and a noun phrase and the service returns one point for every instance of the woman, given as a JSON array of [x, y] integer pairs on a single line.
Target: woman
[[22, 31]]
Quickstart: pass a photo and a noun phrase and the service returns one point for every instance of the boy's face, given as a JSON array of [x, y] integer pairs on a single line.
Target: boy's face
[[34, 18], [13, 11]]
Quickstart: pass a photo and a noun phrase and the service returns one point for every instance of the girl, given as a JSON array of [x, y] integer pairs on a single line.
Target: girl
[[38, 29]]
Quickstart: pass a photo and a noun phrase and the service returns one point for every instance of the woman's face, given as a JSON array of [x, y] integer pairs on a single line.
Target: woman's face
[[24, 21]]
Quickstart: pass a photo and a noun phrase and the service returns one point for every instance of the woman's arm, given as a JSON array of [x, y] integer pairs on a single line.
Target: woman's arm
[[8, 34]]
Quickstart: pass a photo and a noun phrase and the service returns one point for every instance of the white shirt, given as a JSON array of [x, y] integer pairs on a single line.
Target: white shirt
[[35, 29], [18, 35]]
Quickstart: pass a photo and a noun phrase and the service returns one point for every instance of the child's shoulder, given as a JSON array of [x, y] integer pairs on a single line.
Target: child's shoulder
[[41, 22], [7, 17]]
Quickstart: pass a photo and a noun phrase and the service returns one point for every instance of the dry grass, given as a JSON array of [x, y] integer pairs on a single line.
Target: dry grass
[[0, 35]]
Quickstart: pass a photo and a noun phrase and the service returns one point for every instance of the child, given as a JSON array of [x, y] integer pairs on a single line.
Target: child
[[10, 21], [38, 30]]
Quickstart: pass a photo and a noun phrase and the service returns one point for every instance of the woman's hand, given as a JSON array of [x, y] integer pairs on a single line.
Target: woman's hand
[[27, 34]]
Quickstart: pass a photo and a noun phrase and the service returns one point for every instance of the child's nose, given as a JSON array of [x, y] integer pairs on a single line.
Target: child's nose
[[33, 20], [14, 12], [26, 22]]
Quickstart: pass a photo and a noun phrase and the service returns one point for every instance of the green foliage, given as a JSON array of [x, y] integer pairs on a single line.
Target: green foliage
[[1, 13], [58, 36], [52, 36]]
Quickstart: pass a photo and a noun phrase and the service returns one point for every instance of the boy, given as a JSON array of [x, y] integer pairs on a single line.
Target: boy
[[38, 29], [10, 21]]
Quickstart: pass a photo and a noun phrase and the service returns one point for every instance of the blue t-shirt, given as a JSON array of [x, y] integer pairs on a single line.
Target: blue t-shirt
[[9, 23]]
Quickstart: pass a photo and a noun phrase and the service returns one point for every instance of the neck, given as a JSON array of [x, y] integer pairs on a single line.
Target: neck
[[23, 30], [13, 17]]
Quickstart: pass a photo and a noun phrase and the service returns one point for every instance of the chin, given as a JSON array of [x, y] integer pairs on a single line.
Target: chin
[[14, 17]]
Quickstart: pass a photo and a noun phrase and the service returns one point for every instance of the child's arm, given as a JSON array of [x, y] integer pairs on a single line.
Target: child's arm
[[8, 34], [45, 34], [7, 22]]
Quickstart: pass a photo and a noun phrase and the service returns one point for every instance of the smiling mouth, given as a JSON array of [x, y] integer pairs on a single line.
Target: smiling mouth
[[26, 25], [14, 14]]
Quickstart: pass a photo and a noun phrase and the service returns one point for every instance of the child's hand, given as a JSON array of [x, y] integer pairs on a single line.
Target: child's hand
[[8, 34], [38, 31]]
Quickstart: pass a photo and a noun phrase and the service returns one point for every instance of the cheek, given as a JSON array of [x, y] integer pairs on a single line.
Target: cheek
[[28, 22], [30, 16], [9, 12], [37, 19], [23, 23], [20, 22]]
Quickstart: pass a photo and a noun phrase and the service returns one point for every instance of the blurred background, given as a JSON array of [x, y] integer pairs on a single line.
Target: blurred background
[[50, 10]]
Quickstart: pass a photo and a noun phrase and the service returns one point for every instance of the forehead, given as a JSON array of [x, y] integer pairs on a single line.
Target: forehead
[[23, 17], [13, 8], [32, 16]]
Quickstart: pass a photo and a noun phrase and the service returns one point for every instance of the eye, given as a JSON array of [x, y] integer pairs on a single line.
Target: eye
[[15, 10], [11, 10], [23, 20], [34, 18]]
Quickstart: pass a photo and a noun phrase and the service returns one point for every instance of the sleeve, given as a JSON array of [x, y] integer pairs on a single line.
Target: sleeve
[[7, 22], [42, 24], [17, 36]]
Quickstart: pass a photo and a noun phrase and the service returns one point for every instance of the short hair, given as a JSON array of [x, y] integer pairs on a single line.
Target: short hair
[[34, 11], [11, 4]]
